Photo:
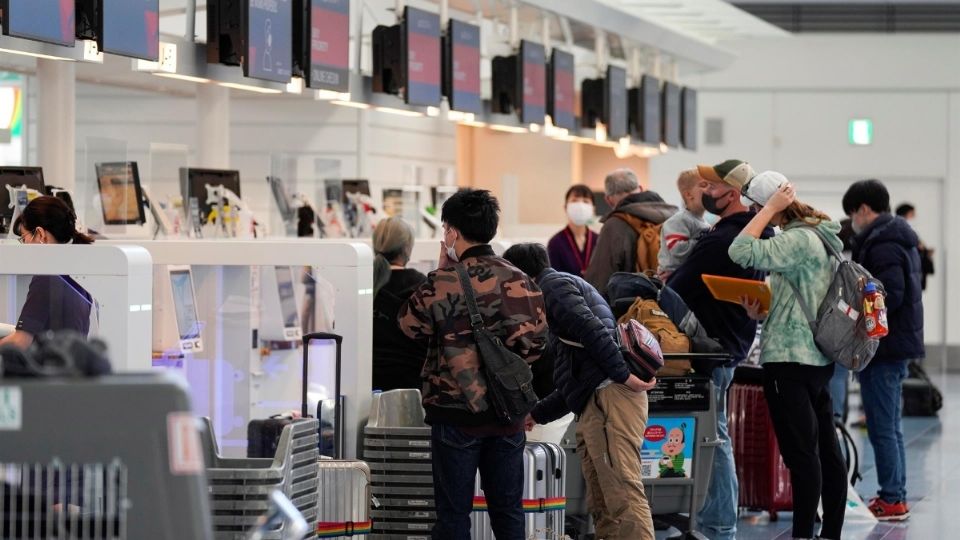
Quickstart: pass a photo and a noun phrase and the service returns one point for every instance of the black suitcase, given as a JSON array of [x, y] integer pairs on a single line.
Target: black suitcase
[[263, 436], [329, 411], [920, 396]]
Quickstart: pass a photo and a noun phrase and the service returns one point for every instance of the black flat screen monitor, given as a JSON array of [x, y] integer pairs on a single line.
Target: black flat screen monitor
[[121, 196], [645, 110], [533, 81], [688, 132], [269, 46], [16, 177], [184, 304], [671, 114], [131, 28], [52, 21], [421, 57], [615, 102], [194, 182], [321, 43], [561, 90], [461, 67]]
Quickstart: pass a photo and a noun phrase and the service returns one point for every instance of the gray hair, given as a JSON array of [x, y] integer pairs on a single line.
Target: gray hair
[[620, 182], [392, 240]]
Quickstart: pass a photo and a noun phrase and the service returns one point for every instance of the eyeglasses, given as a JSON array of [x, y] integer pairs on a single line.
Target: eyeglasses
[[23, 236]]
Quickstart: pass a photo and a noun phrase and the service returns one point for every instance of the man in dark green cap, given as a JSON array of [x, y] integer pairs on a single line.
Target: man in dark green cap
[[726, 322]]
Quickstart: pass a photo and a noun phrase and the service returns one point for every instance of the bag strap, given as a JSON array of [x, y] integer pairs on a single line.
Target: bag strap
[[476, 320]]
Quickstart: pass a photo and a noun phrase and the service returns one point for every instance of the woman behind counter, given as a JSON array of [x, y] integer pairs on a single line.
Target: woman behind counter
[[53, 302], [397, 360], [570, 249]]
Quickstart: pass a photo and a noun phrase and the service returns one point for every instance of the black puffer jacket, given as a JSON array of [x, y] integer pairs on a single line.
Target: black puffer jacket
[[888, 249], [577, 313]]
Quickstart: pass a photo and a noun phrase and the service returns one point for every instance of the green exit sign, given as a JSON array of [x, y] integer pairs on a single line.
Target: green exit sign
[[860, 132]]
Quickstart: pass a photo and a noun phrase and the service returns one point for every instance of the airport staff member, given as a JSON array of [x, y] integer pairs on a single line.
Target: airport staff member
[[53, 302]]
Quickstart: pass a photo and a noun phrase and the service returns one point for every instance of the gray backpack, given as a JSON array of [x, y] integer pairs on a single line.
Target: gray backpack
[[839, 329]]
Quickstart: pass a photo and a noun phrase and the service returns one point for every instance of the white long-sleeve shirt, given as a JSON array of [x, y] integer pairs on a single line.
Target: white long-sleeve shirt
[[677, 238]]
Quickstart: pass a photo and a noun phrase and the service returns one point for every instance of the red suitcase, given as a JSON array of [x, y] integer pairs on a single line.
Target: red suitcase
[[764, 479]]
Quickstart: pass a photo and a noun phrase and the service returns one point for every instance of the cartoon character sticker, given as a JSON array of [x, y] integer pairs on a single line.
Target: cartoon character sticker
[[666, 452]]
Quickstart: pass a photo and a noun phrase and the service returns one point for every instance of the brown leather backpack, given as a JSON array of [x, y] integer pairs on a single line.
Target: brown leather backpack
[[648, 242]]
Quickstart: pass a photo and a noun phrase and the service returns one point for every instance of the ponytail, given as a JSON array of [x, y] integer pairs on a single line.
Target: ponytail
[[381, 273], [392, 242]]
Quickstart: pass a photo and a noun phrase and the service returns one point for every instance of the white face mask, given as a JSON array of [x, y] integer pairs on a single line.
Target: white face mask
[[579, 212], [451, 250]]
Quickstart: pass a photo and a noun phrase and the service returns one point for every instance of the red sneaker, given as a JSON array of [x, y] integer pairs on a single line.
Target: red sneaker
[[885, 511]]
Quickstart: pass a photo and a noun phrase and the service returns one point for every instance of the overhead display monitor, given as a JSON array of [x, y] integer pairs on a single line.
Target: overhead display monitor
[[194, 184], [615, 102], [52, 21], [671, 115], [461, 71], [121, 196], [645, 110], [321, 43], [422, 60], [269, 40], [185, 309], [688, 132], [561, 90], [533, 77], [131, 28]]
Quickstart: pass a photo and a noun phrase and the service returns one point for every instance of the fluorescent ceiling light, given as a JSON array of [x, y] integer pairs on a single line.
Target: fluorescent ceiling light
[[353, 104], [330, 95], [433, 112], [398, 112], [508, 129], [37, 55], [458, 116], [534, 128], [295, 86], [249, 88], [178, 76], [473, 123]]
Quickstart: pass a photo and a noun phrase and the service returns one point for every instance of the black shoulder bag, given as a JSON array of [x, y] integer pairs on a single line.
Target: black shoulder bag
[[508, 377]]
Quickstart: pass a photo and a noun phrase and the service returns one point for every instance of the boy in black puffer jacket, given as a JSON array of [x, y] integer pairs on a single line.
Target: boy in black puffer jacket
[[593, 382]]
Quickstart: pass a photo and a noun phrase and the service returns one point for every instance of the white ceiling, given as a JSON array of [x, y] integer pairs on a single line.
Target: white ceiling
[[707, 20]]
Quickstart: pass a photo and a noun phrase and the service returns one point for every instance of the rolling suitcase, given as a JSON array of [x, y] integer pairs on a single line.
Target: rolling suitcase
[[264, 435], [764, 479], [343, 505], [320, 390]]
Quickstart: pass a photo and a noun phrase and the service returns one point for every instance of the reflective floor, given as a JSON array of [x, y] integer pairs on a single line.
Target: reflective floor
[[933, 480]]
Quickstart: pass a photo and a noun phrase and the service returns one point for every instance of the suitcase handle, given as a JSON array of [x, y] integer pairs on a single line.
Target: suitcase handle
[[338, 412]]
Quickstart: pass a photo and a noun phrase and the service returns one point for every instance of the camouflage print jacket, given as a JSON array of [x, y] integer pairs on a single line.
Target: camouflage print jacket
[[436, 315]]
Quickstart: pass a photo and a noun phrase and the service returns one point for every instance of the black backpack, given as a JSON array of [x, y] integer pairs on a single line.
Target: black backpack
[[509, 380]]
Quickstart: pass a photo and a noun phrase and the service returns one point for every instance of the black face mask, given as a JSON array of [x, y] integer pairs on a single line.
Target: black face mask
[[710, 204]]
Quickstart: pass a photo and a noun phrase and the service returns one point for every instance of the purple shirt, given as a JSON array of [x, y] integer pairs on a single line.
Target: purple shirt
[[564, 254]]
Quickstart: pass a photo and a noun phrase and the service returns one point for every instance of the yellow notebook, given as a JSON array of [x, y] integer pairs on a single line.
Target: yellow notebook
[[730, 289]]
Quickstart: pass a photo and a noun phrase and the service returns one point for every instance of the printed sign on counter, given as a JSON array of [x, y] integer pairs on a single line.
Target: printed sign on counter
[[667, 450]]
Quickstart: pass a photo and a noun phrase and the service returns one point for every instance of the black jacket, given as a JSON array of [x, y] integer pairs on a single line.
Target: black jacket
[[397, 359], [888, 250], [577, 313], [726, 322]]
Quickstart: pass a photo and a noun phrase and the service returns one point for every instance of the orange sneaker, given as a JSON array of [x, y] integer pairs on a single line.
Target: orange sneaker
[[885, 511]]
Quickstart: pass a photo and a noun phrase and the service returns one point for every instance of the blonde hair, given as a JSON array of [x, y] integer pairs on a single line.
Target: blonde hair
[[392, 241], [798, 210], [688, 179]]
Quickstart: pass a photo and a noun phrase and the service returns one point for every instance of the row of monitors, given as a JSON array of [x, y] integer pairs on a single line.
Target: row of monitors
[[121, 193], [125, 27]]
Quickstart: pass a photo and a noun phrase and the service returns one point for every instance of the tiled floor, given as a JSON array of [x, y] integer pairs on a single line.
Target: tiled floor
[[933, 481]]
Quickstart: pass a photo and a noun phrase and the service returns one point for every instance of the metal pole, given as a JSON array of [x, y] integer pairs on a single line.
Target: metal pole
[[191, 14]]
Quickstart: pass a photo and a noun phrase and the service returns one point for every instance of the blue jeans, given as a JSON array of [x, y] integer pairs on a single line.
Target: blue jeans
[[718, 517], [456, 458], [880, 387], [838, 391]]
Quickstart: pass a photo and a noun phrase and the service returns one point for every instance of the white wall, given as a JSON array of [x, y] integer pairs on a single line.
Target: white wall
[[786, 103]]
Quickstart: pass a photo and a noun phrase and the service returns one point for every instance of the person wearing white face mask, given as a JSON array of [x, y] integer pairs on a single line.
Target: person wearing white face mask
[[570, 249]]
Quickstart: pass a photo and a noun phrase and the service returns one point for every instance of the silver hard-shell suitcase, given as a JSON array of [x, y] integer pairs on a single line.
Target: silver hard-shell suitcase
[[343, 507]]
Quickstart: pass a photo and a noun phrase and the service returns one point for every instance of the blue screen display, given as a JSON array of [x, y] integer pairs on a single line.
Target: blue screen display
[[132, 28], [53, 21], [269, 40]]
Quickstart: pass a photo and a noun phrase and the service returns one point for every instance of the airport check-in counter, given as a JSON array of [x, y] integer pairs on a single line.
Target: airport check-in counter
[[229, 316], [117, 276]]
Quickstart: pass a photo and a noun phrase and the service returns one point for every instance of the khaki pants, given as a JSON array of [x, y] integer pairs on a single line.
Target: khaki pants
[[609, 436]]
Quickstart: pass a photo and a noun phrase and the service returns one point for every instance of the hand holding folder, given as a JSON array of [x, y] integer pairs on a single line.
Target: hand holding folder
[[729, 289]]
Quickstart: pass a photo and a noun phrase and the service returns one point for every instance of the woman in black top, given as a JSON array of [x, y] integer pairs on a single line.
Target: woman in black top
[[53, 302], [397, 360]]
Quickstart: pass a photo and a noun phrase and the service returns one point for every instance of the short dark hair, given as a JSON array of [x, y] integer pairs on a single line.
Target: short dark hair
[[905, 209], [578, 190], [473, 212], [870, 192], [55, 217], [530, 258]]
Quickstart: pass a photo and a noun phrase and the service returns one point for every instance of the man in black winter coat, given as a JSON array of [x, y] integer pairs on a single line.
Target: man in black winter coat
[[593, 381], [886, 246]]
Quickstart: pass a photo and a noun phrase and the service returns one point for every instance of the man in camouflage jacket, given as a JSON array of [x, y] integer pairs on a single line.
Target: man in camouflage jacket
[[466, 433]]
